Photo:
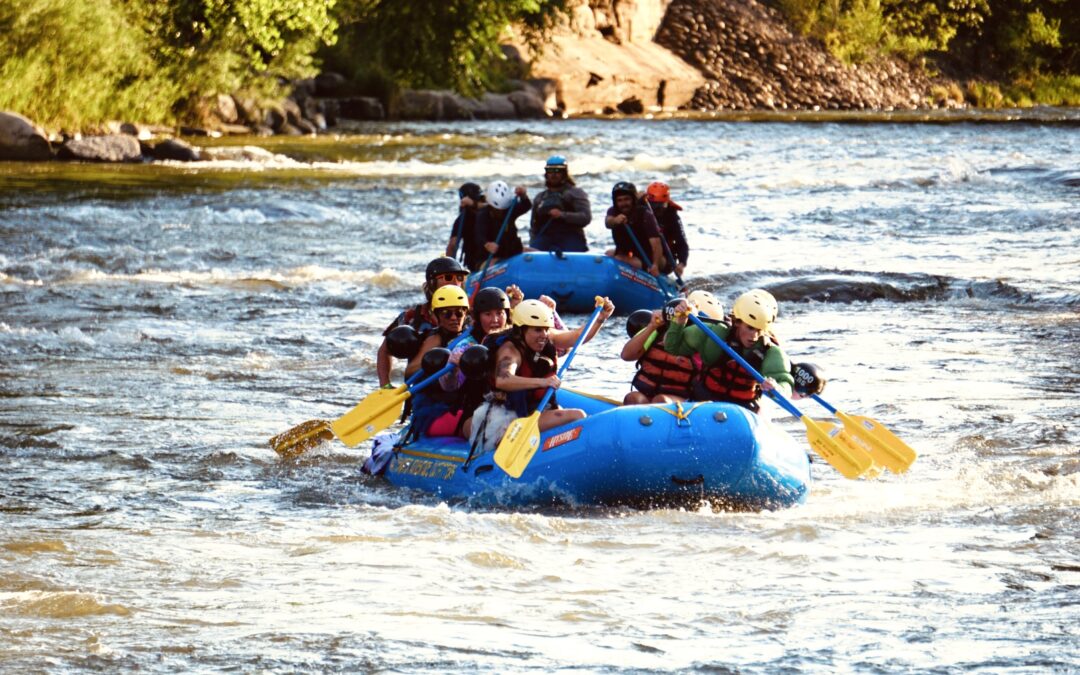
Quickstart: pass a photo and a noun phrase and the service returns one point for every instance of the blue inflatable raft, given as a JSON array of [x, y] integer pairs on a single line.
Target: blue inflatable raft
[[642, 456], [575, 279]]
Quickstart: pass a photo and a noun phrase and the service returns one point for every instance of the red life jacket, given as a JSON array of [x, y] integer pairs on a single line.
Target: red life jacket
[[726, 380], [663, 373]]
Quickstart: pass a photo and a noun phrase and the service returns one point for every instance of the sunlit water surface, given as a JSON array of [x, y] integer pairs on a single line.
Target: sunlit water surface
[[159, 323]]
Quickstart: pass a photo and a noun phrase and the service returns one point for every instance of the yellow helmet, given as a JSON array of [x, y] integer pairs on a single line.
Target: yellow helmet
[[449, 296], [533, 313], [707, 304], [756, 308]]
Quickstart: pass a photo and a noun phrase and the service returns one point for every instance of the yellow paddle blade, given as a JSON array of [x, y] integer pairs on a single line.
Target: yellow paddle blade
[[379, 410], [300, 438], [838, 449], [519, 444], [887, 450]]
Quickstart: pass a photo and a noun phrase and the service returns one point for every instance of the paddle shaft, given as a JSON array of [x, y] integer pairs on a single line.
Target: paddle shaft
[[667, 248], [498, 238], [637, 244], [773, 394], [569, 357]]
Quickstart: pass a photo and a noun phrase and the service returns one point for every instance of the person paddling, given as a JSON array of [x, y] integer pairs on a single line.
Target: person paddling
[[440, 272], [526, 361], [661, 377], [490, 220], [722, 378], [430, 406], [560, 212], [634, 229], [463, 231], [666, 211]]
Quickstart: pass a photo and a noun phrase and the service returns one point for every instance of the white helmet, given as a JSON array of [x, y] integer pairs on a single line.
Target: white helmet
[[499, 195], [707, 304]]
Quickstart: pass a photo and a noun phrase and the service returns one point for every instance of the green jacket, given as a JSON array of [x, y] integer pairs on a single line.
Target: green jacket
[[689, 340]]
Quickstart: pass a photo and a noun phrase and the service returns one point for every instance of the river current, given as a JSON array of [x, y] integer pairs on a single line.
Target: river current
[[158, 323]]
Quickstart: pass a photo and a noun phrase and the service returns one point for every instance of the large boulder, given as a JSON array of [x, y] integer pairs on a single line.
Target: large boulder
[[21, 139], [176, 150], [495, 107], [528, 104], [605, 54], [356, 108], [111, 148], [420, 104]]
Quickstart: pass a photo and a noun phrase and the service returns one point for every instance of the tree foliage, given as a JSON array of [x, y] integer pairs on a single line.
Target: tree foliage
[[79, 63], [437, 43]]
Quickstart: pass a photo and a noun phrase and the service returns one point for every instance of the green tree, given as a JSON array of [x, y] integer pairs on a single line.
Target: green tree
[[436, 43]]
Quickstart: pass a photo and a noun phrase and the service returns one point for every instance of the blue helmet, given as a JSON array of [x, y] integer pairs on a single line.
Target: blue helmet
[[555, 162]]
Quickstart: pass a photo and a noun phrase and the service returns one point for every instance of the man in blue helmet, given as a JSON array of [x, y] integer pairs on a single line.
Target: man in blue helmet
[[560, 212]]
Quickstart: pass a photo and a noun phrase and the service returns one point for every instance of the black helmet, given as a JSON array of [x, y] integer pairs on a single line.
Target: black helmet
[[442, 265], [488, 299], [636, 322], [470, 190], [403, 342], [434, 360], [809, 379], [669, 308], [474, 362], [623, 188]]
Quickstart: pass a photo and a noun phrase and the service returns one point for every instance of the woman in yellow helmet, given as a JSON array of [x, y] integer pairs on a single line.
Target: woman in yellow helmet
[[722, 378], [526, 360]]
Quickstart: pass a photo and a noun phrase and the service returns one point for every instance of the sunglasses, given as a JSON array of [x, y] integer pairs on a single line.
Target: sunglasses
[[554, 170], [455, 312], [451, 278]]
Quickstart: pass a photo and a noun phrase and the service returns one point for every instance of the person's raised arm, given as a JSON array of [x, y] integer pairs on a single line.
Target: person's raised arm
[[635, 347], [565, 339]]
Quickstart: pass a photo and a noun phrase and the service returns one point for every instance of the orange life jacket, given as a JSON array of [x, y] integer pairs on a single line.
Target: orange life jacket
[[727, 381], [663, 373]]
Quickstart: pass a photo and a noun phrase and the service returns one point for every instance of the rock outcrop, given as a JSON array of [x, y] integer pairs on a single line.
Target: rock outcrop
[[110, 148], [753, 61], [21, 139], [604, 55]]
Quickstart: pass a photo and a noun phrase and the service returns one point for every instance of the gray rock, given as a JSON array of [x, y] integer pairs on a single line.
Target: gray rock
[[248, 111], [225, 109], [21, 139], [420, 105], [495, 107], [527, 104], [176, 150], [111, 148], [332, 85], [455, 107], [306, 127], [293, 114], [357, 108]]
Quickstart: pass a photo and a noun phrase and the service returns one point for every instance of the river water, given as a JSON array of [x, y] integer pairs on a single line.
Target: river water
[[159, 322]]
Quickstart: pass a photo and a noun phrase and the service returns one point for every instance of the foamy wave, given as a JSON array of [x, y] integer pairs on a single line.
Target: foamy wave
[[250, 158], [8, 280], [62, 605], [250, 279]]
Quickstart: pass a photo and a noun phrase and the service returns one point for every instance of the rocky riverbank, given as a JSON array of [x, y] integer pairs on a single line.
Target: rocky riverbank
[[607, 57]]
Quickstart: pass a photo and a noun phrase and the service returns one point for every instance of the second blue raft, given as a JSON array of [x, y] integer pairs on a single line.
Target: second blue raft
[[575, 279]]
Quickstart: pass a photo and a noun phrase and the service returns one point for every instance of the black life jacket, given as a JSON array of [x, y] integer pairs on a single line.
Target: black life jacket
[[663, 373], [533, 364], [727, 381]]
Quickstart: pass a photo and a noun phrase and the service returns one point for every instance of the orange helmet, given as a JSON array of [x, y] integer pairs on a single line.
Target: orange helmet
[[660, 193]]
